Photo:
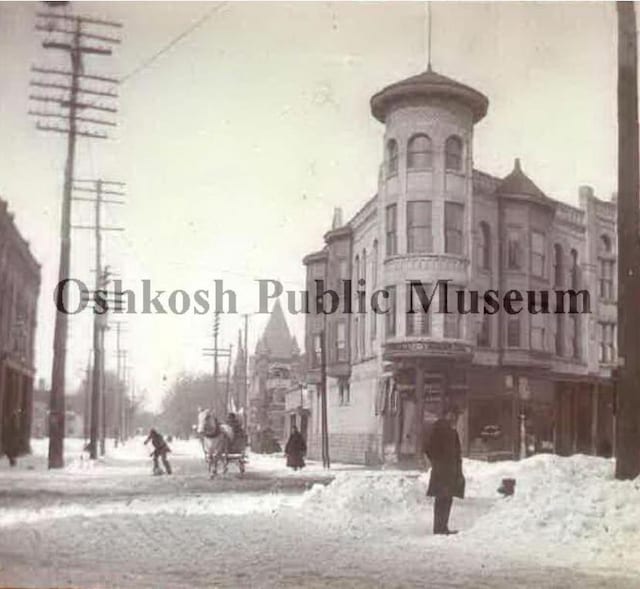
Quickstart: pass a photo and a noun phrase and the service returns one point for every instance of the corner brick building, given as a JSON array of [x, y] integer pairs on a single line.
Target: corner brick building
[[525, 382], [19, 289]]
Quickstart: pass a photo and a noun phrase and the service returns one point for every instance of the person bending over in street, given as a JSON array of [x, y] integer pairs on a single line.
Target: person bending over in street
[[160, 451], [442, 447]]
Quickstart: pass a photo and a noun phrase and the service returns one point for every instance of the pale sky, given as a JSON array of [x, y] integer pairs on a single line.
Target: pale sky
[[237, 143]]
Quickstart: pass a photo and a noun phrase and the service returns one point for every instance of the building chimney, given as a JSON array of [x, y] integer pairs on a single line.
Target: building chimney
[[337, 218], [585, 192]]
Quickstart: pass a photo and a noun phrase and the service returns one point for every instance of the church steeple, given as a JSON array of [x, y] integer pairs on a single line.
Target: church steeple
[[276, 341]]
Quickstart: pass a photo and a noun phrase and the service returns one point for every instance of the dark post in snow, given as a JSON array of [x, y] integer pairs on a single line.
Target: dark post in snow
[[628, 384], [326, 462]]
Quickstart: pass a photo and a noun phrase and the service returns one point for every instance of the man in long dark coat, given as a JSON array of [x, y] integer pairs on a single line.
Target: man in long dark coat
[[442, 447], [295, 449]]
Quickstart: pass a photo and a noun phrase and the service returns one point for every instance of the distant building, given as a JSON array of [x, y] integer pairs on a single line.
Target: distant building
[[74, 425], [275, 369], [436, 218], [19, 290]]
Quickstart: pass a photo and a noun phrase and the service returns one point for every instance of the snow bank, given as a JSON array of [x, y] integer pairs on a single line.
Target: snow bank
[[364, 503], [565, 510], [571, 502]]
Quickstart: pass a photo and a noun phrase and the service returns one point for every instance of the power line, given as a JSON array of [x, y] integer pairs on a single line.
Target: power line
[[147, 62]]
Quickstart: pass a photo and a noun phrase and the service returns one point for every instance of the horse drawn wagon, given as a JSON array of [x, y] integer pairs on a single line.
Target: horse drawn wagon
[[222, 443]]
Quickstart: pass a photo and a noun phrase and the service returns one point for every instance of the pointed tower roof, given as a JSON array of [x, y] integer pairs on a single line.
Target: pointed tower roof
[[426, 85], [276, 340], [517, 183], [295, 348], [238, 368]]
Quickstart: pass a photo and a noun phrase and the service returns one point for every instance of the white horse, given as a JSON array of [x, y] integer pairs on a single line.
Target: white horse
[[216, 439]]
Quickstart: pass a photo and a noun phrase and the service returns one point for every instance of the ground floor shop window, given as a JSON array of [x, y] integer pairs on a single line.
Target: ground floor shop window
[[490, 427]]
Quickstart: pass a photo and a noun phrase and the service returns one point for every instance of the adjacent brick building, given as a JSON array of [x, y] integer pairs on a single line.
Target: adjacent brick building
[[536, 381], [19, 289]]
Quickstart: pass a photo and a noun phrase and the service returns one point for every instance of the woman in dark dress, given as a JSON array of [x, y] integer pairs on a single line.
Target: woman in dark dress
[[295, 449]]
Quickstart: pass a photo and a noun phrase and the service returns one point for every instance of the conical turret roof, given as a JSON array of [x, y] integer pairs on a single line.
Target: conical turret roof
[[518, 184]]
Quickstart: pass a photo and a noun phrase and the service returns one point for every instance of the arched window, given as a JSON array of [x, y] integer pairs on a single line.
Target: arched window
[[453, 153], [605, 244], [558, 266], [574, 269], [484, 246], [419, 154], [392, 157]]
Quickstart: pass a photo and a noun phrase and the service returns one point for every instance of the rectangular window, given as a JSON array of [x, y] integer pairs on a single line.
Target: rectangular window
[[453, 319], [484, 333], [453, 227], [537, 254], [559, 335], [513, 332], [607, 342], [341, 341], [573, 338], [391, 315], [419, 234], [343, 268], [606, 278], [537, 331], [514, 250], [418, 323], [391, 229]]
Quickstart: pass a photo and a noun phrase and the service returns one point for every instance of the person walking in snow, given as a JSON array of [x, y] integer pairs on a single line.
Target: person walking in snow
[[442, 448], [295, 449], [160, 451], [11, 437]]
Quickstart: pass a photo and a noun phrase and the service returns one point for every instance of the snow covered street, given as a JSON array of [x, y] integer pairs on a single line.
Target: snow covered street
[[112, 524]]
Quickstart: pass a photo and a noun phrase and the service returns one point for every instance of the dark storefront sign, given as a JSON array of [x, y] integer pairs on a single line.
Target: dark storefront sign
[[427, 348]]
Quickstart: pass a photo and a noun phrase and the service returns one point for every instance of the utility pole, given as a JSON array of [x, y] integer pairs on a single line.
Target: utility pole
[[245, 400], [99, 189], [628, 382], [121, 404], [70, 96], [227, 404], [87, 396], [127, 401], [326, 461], [216, 353]]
